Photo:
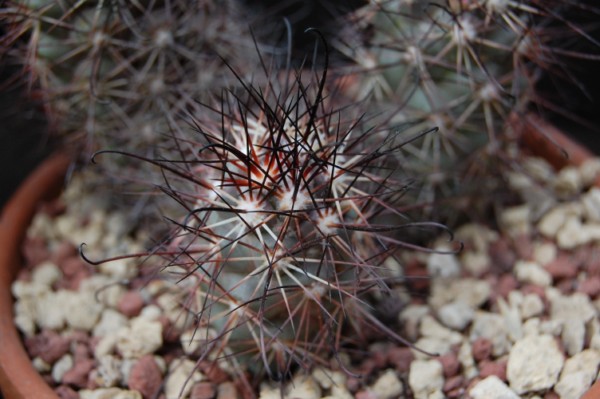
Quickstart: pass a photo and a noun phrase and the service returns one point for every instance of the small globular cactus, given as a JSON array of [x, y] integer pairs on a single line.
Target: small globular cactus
[[293, 215], [114, 72], [464, 66]]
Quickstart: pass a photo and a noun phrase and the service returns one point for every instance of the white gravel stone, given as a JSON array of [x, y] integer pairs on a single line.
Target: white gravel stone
[[119, 269], [572, 234], [110, 295], [110, 321], [568, 182], [425, 377], [430, 328], [478, 235], [534, 364], [532, 272], [492, 387], [465, 357], [303, 387], [28, 289], [82, 311], [516, 220], [46, 273], [51, 309], [428, 346], [106, 345], [181, 377], [267, 391], [531, 306], [544, 252], [470, 291], [109, 393], [476, 263], [328, 379], [142, 337], [387, 386], [193, 339], [443, 265], [589, 170], [493, 327], [61, 366], [512, 318], [150, 312], [456, 315], [40, 365], [591, 205], [572, 312], [578, 374], [410, 319], [552, 222], [25, 315], [108, 372]]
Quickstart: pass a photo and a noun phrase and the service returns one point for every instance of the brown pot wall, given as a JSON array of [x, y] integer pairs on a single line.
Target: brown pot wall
[[18, 378]]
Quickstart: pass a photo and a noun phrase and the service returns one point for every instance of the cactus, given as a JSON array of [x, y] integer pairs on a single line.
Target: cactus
[[117, 73], [293, 215], [463, 66]]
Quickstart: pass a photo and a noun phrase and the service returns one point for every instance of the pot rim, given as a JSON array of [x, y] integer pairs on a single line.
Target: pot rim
[[18, 377]]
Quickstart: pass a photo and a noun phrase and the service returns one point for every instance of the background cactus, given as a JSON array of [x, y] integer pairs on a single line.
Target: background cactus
[[463, 66]]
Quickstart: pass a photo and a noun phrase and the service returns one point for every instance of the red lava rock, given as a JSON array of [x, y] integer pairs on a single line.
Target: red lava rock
[[48, 345], [53, 208], [401, 357], [551, 395], [380, 357], [453, 383], [501, 254], [456, 393], [145, 376], [203, 390], [365, 395], [131, 303], [170, 332], [487, 368], [62, 252], [66, 392], [214, 373], [523, 246], [367, 367], [72, 266], [506, 283], [78, 375], [536, 290], [353, 384], [74, 271], [81, 351], [35, 251], [481, 349], [590, 286], [450, 364], [417, 276], [564, 266], [566, 287]]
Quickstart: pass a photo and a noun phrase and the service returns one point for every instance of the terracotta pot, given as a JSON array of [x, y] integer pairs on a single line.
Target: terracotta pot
[[542, 139], [18, 378]]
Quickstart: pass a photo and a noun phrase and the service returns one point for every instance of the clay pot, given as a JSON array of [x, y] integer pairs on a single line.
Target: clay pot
[[18, 378], [542, 139]]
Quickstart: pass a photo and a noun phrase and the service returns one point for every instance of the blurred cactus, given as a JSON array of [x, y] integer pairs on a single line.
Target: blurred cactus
[[119, 72], [463, 66]]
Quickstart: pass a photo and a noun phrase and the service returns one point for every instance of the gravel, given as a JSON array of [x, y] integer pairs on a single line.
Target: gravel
[[515, 315]]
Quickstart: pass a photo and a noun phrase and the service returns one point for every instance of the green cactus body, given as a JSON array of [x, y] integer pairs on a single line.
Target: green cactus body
[[463, 66], [292, 211]]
